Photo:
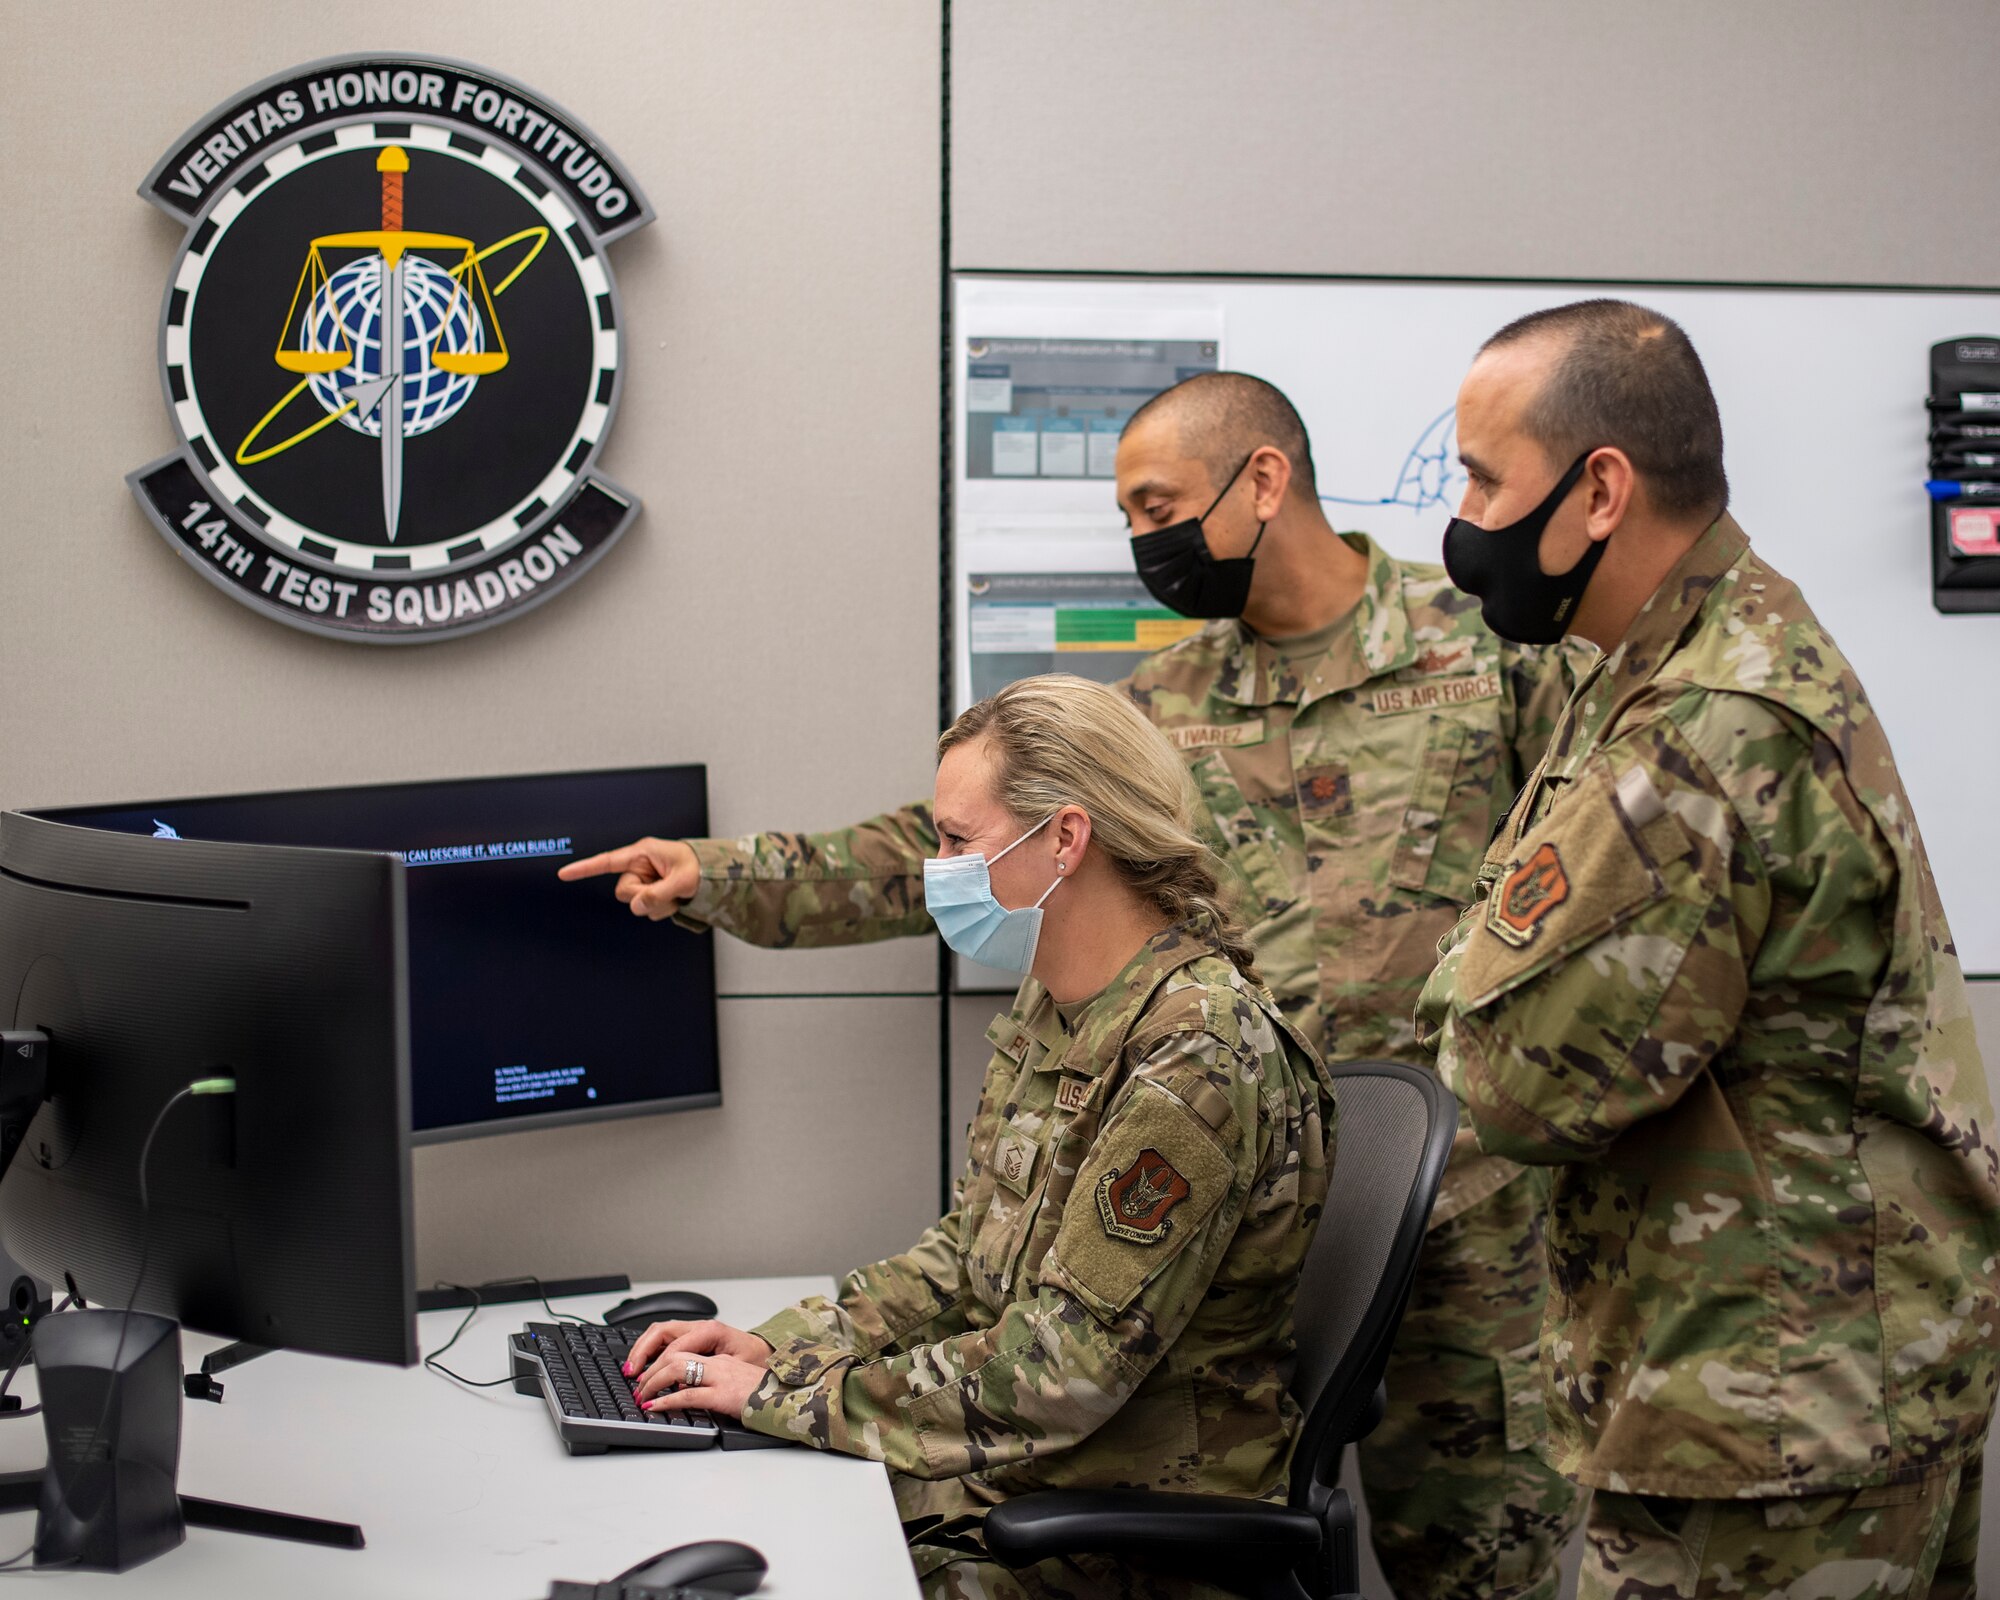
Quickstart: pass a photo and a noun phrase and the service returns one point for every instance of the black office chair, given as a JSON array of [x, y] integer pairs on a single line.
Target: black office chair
[[1396, 1127]]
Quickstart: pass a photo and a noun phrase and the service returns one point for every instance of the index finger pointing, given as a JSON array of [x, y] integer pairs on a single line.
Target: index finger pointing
[[598, 865]]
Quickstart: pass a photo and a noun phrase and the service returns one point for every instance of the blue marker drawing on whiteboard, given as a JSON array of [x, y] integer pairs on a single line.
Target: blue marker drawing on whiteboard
[[1429, 476]]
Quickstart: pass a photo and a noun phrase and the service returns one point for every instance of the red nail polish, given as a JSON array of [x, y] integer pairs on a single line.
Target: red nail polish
[[626, 1368]]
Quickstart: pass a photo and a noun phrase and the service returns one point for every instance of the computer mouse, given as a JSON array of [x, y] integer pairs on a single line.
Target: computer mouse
[[721, 1564], [669, 1305]]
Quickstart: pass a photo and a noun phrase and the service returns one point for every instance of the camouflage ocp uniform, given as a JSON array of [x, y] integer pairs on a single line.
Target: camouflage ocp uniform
[[1109, 1301], [1351, 791], [1712, 983]]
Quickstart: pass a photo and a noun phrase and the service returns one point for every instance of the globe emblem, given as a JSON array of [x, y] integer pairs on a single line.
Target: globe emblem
[[438, 315]]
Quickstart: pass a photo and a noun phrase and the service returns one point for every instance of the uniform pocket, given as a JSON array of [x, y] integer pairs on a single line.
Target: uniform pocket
[[1448, 822], [1238, 836], [1001, 1231], [1522, 1392], [1013, 1181]]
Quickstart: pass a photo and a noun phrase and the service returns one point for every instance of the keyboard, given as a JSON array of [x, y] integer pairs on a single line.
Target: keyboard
[[574, 1367]]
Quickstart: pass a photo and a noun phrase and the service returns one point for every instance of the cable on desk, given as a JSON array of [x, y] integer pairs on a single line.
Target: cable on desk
[[431, 1361], [199, 1086], [541, 1294]]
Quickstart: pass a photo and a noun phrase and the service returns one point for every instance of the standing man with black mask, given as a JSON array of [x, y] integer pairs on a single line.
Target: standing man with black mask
[[1709, 984], [1355, 732]]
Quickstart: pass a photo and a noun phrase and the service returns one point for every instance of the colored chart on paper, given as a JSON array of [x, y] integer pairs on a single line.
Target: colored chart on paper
[[1121, 628], [1096, 624]]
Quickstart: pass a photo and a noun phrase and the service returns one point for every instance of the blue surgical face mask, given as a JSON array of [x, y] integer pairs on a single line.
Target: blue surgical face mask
[[958, 893]]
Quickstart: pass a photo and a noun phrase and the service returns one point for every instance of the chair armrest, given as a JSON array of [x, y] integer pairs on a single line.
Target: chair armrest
[[1245, 1538]]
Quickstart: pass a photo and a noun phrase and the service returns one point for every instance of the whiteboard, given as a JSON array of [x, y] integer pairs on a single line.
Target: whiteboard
[[1824, 426]]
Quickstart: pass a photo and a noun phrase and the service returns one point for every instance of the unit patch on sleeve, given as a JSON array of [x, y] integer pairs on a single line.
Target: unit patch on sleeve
[[1528, 893], [1133, 1204]]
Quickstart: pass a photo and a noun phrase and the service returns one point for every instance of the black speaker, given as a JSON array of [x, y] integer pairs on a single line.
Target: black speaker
[[109, 1496]]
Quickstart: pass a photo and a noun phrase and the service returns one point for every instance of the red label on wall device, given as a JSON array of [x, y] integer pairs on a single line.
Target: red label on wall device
[[1975, 530]]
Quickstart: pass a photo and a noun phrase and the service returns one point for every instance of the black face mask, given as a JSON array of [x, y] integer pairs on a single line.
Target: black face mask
[[1502, 568], [1177, 569]]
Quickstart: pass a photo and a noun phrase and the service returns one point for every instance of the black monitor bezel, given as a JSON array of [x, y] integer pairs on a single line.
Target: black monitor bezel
[[452, 1133], [79, 858]]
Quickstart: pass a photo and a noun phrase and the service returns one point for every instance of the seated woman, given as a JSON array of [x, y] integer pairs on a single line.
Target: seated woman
[[1109, 1303]]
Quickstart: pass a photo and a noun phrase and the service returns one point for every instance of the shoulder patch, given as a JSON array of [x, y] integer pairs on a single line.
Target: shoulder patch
[[1530, 890], [1155, 1178], [1133, 1204], [1583, 871]]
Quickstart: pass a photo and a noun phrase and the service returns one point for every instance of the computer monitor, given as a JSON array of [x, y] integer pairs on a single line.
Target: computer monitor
[[532, 1002], [279, 1214]]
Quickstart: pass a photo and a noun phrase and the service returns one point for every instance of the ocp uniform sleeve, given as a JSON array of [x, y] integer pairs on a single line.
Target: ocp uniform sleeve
[[916, 1296], [1706, 848], [1058, 1364], [1609, 960], [848, 886]]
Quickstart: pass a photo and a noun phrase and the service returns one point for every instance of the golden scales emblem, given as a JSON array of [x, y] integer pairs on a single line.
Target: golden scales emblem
[[390, 387]]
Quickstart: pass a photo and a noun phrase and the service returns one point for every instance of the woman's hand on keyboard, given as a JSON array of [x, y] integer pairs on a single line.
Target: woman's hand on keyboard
[[694, 1339], [726, 1383]]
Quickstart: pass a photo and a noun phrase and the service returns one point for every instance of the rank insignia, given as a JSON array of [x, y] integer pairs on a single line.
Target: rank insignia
[[1014, 1160], [1526, 895], [1325, 792], [1133, 1204]]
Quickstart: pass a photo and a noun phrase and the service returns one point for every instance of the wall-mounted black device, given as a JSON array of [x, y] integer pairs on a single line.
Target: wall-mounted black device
[[1964, 479]]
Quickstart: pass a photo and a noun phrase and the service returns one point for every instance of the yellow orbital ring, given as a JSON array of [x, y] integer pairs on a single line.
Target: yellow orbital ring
[[244, 458], [541, 237]]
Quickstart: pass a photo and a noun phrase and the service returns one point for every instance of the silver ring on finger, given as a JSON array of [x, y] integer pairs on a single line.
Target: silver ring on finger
[[691, 1375]]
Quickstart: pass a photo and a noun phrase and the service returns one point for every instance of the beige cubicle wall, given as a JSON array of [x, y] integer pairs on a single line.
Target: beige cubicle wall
[[771, 614], [1793, 141]]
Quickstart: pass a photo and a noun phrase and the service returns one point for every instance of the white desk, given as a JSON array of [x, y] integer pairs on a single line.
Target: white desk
[[470, 1493]]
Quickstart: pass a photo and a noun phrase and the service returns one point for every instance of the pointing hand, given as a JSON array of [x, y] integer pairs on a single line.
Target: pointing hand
[[655, 876]]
